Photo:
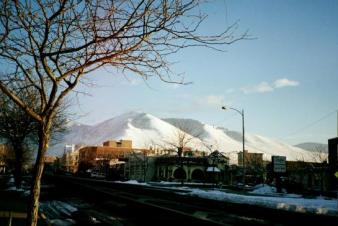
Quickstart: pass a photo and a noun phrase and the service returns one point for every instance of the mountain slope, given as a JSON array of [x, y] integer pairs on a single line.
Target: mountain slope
[[146, 130], [314, 147], [231, 142], [143, 129]]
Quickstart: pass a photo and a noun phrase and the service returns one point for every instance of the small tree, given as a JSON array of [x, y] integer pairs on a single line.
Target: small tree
[[183, 137], [19, 130], [53, 44], [320, 155]]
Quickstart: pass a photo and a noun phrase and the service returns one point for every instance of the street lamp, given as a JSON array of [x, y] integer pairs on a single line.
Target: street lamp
[[243, 137]]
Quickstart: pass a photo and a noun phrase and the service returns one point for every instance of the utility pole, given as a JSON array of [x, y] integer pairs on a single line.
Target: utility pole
[[243, 139]]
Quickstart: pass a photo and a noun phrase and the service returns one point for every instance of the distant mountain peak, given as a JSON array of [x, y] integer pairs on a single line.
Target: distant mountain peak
[[313, 147]]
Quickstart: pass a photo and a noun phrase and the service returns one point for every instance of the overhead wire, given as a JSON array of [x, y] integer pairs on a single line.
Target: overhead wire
[[312, 123]]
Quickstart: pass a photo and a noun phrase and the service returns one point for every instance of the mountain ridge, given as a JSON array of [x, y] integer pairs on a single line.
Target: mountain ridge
[[147, 130]]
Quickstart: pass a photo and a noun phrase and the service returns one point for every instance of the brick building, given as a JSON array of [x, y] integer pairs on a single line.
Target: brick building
[[112, 154]]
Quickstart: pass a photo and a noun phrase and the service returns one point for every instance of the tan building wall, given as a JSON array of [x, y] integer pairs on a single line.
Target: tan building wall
[[251, 159], [89, 156], [118, 144], [70, 161]]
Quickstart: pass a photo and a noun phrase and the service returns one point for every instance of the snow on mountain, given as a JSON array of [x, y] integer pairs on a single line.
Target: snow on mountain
[[230, 142], [143, 129], [146, 130], [274, 147]]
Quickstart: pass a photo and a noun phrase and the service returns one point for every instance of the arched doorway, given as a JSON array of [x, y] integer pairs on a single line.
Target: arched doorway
[[180, 173], [197, 175]]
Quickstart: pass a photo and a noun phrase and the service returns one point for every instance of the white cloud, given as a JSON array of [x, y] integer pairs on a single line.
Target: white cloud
[[264, 87], [284, 82], [210, 100], [214, 100]]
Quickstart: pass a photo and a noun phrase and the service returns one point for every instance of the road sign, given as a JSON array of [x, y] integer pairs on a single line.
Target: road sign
[[279, 164]]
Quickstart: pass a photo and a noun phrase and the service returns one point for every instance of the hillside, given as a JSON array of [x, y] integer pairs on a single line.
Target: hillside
[[146, 130], [314, 147]]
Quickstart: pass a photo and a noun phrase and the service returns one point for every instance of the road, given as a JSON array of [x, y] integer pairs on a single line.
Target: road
[[146, 205]]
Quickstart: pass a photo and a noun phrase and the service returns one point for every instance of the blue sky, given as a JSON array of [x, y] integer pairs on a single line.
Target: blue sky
[[286, 78]]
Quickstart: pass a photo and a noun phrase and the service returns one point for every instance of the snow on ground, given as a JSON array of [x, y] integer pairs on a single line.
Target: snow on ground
[[317, 206], [58, 212], [261, 195], [265, 189], [134, 182], [62, 222], [13, 188], [25, 190]]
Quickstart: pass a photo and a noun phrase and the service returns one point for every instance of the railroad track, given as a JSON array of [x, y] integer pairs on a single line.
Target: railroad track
[[153, 206]]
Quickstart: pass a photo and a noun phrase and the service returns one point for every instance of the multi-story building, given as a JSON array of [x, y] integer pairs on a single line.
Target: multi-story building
[[70, 158], [250, 159], [139, 166], [112, 154]]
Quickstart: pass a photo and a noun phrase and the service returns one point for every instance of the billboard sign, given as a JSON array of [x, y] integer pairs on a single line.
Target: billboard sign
[[279, 164]]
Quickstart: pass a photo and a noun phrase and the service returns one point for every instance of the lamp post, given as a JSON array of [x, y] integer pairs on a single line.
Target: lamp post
[[243, 137]]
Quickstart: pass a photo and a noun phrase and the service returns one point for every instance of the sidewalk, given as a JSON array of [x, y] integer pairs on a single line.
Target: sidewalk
[[14, 203]]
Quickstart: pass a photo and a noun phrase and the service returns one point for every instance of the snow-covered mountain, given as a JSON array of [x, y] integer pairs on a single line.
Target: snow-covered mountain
[[146, 130], [143, 129], [230, 142]]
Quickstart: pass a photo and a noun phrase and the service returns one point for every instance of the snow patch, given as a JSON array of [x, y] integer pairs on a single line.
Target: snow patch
[[317, 206], [134, 182]]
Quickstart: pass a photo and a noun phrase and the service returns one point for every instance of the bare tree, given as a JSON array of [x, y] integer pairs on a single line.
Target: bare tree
[[320, 156], [184, 136], [19, 130], [54, 43], [16, 128]]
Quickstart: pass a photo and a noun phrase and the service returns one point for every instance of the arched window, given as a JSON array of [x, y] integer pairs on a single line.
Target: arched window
[[180, 173], [197, 175]]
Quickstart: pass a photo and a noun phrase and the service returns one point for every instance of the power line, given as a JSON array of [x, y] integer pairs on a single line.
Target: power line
[[312, 123]]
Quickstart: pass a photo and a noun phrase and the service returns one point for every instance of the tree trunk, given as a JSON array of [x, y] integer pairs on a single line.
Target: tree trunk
[[33, 206], [18, 165]]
